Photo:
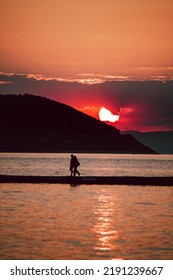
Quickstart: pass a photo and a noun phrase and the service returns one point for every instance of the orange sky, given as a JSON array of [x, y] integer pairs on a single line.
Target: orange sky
[[90, 54], [70, 37]]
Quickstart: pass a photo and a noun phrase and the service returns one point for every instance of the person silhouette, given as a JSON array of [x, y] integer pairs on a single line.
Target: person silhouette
[[74, 163]]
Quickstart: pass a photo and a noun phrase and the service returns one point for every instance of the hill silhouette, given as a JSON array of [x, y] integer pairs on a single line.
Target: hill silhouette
[[30, 123], [160, 141]]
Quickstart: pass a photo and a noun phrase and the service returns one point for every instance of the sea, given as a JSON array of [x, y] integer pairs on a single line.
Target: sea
[[85, 222]]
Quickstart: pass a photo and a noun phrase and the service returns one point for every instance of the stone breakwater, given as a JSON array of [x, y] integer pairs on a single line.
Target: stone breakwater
[[89, 180]]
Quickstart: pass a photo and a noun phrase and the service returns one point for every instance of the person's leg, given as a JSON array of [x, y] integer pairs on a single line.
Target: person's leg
[[74, 171], [77, 171]]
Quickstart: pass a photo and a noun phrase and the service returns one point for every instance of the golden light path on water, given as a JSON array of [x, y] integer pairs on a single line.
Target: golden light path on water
[[105, 223], [51, 221]]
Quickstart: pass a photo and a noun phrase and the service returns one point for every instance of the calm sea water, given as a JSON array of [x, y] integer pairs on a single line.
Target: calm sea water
[[91, 164], [42, 221]]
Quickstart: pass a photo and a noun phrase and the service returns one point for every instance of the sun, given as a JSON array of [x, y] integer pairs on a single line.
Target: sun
[[106, 116]]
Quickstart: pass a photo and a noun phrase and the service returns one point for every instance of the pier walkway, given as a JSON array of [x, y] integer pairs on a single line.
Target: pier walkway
[[90, 180]]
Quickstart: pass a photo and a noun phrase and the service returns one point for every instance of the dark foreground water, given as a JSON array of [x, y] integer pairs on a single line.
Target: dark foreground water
[[44, 221]]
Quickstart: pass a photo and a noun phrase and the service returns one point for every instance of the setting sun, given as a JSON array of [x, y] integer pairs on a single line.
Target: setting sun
[[105, 115]]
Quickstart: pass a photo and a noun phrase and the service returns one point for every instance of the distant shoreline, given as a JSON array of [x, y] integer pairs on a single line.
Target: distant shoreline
[[26, 128], [90, 180]]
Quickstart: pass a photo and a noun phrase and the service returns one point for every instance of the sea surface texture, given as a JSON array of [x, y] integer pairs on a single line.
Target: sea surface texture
[[54, 221], [90, 164]]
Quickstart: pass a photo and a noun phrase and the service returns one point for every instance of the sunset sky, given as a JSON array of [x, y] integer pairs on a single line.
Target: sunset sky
[[89, 54]]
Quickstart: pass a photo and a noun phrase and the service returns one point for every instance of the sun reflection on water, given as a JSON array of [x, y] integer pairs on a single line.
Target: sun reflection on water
[[105, 228]]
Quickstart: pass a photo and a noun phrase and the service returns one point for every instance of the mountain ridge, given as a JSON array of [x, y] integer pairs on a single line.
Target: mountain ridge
[[30, 123], [160, 141]]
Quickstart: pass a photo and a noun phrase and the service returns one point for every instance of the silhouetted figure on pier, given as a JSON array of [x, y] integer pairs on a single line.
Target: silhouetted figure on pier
[[74, 163]]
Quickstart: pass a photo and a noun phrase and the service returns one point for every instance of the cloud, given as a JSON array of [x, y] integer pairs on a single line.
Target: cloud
[[156, 68], [5, 82], [6, 74], [92, 78], [89, 80], [157, 73]]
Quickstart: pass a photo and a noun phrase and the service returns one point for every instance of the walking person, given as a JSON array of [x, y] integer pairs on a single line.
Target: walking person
[[74, 163]]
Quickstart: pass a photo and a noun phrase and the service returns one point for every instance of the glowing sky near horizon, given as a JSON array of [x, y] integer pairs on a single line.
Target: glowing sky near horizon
[[74, 52]]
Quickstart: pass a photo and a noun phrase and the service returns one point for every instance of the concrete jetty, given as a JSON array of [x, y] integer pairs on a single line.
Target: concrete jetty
[[90, 180]]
